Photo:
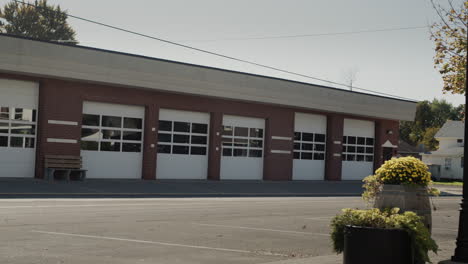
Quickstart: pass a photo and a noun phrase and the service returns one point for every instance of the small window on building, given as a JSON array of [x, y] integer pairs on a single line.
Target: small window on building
[[4, 128], [242, 142], [165, 125], [460, 140], [17, 127], [360, 149], [256, 132], [241, 132], [448, 163], [462, 161], [183, 138], [197, 150], [16, 142], [3, 141], [199, 128], [134, 123], [257, 153], [227, 130], [25, 114], [182, 127], [90, 120], [176, 149], [106, 133], [309, 146], [240, 152], [164, 149], [131, 147], [111, 121], [4, 113]]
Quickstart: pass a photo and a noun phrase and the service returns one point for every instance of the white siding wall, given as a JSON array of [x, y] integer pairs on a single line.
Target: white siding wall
[[454, 172], [446, 143]]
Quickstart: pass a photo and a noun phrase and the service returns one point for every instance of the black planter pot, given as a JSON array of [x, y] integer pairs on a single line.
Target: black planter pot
[[364, 245]]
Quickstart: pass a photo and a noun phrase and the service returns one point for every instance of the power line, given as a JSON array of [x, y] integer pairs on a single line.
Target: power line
[[312, 35], [218, 54]]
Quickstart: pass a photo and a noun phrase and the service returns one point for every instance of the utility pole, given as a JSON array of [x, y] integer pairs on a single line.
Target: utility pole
[[461, 251]]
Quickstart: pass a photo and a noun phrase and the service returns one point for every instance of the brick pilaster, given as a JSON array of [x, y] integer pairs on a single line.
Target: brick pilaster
[[150, 142], [57, 102], [278, 166], [333, 161], [214, 150]]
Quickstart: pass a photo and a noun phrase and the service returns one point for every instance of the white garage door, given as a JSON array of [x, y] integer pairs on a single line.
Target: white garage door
[[309, 146], [182, 145], [242, 148], [111, 140], [18, 113], [358, 149]]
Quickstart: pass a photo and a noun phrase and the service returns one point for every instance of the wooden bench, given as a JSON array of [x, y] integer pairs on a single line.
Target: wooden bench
[[66, 164]]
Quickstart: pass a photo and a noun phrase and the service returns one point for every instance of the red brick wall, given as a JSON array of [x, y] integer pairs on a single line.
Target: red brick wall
[[279, 166], [385, 130], [333, 165], [150, 142], [63, 100], [214, 152]]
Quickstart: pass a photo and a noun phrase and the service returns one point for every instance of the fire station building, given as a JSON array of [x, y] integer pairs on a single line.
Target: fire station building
[[135, 117]]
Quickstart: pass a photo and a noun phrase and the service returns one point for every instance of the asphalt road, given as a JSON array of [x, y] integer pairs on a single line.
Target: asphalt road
[[184, 230]]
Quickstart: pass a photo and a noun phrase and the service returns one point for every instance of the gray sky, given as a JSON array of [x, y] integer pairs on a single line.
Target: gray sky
[[395, 62]]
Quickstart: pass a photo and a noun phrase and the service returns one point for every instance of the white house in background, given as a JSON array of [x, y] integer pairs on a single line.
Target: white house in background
[[447, 161]]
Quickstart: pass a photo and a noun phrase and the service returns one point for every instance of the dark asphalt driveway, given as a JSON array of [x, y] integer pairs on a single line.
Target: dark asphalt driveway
[[174, 188], [33, 188]]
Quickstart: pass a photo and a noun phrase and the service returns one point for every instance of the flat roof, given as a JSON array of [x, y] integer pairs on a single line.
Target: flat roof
[[203, 66], [45, 50]]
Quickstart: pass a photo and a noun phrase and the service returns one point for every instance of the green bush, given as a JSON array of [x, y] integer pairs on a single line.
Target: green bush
[[391, 219]]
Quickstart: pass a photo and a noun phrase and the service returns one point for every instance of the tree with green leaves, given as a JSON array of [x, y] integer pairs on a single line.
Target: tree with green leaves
[[458, 113], [428, 138], [450, 37], [429, 118], [37, 20], [441, 111]]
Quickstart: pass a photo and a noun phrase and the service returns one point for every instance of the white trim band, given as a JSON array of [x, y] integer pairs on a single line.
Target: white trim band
[[337, 142], [280, 151], [61, 122], [336, 155], [61, 140], [281, 138]]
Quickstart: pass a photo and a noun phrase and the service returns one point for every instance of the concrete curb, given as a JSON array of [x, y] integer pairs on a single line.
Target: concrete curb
[[328, 259], [174, 195]]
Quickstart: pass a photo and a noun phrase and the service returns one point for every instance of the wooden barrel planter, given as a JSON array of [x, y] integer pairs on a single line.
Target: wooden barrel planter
[[407, 198], [366, 245]]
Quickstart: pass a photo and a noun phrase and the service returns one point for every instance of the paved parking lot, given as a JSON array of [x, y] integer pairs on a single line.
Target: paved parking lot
[[183, 230]]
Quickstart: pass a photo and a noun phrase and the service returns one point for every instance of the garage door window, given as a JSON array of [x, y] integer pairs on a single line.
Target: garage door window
[[17, 127], [309, 146], [182, 138], [111, 133], [358, 149], [242, 142]]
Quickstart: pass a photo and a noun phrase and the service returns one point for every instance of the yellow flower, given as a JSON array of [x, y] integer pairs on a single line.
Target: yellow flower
[[407, 169]]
